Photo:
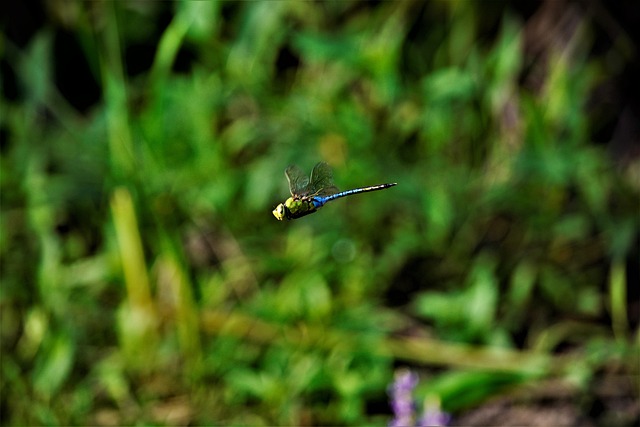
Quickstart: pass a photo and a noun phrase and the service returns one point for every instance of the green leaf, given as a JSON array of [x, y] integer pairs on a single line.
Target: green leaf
[[54, 366]]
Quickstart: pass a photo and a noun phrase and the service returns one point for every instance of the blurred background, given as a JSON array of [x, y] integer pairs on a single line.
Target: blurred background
[[145, 280]]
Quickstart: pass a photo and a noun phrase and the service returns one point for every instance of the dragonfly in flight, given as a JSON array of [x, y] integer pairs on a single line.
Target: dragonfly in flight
[[310, 194]]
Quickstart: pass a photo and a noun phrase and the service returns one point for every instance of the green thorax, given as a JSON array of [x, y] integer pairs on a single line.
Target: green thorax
[[296, 208]]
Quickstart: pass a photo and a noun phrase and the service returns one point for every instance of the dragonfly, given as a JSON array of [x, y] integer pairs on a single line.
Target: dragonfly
[[310, 194]]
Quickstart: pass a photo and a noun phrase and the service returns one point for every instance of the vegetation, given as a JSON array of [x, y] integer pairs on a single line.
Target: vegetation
[[145, 280]]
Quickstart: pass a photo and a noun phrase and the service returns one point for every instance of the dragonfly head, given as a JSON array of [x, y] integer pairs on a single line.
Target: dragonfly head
[[279, 212]]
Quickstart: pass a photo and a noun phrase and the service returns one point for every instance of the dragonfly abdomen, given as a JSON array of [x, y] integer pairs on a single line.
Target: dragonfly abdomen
[[356, 191]]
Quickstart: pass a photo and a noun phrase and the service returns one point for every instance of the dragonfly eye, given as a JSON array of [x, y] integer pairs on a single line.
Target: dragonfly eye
[[278, 212]]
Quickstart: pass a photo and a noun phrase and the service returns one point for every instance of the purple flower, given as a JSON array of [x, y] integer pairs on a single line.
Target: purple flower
[[404, 407], [433, 416], [401, 398]]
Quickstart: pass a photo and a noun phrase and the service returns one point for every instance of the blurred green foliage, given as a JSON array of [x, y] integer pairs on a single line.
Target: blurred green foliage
[[145, 281]]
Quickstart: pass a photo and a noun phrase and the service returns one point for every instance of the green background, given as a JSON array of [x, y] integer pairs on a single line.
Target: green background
[[145, 280]]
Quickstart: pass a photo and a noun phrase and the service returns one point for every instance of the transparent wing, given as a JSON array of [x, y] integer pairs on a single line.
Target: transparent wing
[[322, 180], [298, 181]]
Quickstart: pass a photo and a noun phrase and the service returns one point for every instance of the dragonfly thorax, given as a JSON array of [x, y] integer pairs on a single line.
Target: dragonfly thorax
[[294, 208]]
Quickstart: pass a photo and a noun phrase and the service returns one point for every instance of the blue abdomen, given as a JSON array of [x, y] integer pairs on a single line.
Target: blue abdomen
[[319, 201]]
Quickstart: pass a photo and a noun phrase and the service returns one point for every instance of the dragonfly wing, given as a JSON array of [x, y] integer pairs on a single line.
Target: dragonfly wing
[[322, 180], [298, 181]]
